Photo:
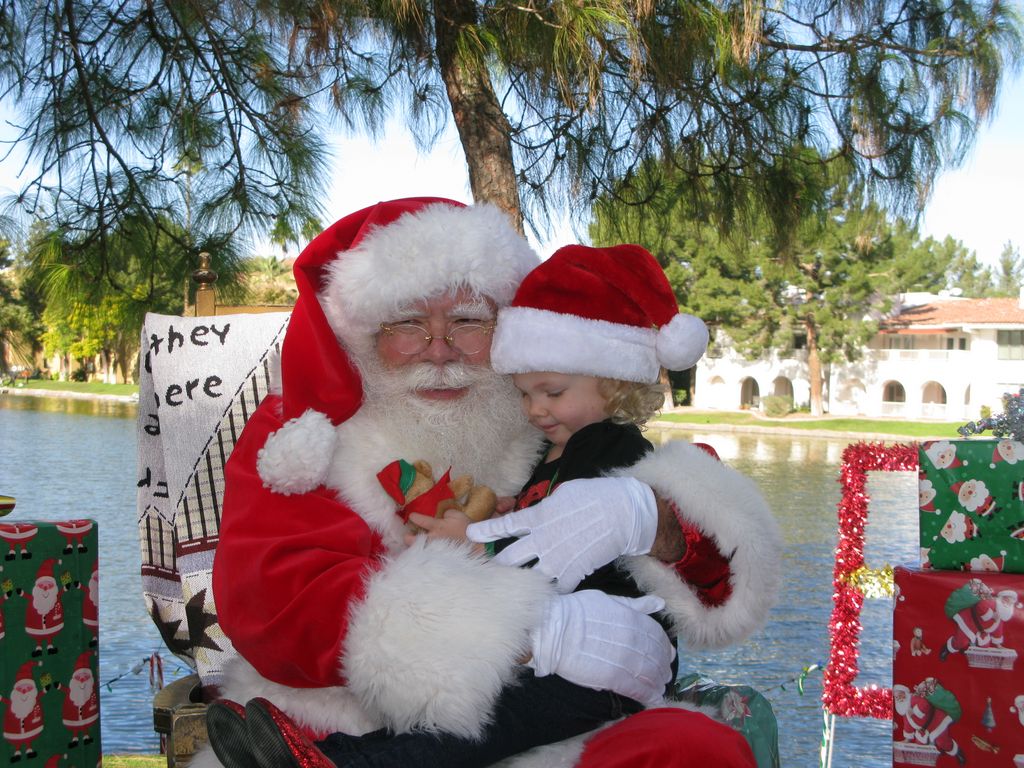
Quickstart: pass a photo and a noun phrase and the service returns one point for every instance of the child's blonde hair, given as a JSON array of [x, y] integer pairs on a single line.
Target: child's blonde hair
[[630, 402]]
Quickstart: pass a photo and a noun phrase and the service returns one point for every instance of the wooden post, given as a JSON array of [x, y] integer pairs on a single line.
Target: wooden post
[[206, 294]]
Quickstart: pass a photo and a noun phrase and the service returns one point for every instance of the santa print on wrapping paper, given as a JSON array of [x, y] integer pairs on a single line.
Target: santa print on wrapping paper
[[942, 454], [928, 713], [23, 718], [6, 590], [81, 704], [18, 536], [74, 532], [979, 615], [44, 613], [90, 606]]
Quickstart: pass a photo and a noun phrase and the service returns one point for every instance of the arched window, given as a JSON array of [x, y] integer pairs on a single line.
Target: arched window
[[933, 392], [782, 387], [893, 392], [750, 393]]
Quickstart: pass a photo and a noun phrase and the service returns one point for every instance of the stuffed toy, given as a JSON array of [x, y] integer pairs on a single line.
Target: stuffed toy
[[414, 489]]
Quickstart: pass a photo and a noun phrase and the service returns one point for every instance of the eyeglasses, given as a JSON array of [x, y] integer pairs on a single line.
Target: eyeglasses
[[411, 338]]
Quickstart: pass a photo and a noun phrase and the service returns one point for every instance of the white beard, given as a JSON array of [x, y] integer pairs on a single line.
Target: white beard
[[43, 600], [94, 590], [81, 688], [471, 434], [23, 702]]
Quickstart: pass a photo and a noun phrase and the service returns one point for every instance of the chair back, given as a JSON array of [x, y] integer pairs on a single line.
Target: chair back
[[201, 378]]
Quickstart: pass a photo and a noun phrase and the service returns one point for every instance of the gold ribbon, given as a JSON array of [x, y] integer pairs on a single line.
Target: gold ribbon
[[871, 582]]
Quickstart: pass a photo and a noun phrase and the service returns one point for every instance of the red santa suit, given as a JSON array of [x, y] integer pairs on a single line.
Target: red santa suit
[[90, 606], [81, 703], [44, 614], [17, 535], [23, 720], [74, 532], [979, 615], [928, 712], [336, 620]]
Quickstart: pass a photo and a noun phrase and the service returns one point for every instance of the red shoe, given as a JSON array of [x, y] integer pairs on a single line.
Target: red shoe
[[277, 742], [228, 734]]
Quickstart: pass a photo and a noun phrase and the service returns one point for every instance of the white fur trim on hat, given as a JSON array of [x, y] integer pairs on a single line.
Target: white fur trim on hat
[[528, 339], [682, 342], [295, 459], [421, 255]]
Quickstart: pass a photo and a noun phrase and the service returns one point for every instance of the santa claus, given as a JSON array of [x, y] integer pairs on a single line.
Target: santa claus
[[973, 496], [942, 454], [928, 712], [44, 614], [81, 703], [925, 493], [90, 606], [958, 527], [347, 628], [979, 615], [74, 532], [1010, 451], [18, 536], [23, 721]]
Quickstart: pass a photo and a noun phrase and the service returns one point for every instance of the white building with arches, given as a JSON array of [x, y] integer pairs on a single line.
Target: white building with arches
[[934, 358]]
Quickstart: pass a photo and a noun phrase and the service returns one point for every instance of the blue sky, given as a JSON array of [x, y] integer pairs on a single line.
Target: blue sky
[[981, 203]]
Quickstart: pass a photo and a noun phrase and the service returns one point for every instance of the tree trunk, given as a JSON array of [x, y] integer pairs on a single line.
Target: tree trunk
[[814, 369], [483, 127]]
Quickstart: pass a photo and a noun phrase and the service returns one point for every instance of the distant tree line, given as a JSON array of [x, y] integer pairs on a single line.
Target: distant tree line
[[825, 287]]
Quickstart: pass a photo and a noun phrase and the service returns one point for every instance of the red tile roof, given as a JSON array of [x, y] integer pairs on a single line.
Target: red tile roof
[[956, 312]]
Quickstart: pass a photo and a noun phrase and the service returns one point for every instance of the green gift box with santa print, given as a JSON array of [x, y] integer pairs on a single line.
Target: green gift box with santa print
[[971, 500], [49, 624]]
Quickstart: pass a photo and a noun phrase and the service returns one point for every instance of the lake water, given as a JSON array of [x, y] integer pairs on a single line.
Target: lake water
[[66, 458]]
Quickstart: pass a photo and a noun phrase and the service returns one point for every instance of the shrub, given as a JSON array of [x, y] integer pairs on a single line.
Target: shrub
[[680, 397], [776, 406]]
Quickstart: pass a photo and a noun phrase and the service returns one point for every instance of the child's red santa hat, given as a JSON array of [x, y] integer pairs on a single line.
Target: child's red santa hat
[[606, 312], [363, 270]]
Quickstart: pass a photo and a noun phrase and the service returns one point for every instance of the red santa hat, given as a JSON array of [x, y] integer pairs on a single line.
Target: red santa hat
[[599, 312], [362, 270], [25, 672], [83, 661], [46, 569]]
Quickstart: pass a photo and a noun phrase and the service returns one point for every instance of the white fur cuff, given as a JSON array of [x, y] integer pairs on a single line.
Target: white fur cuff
[[295, 459], [438, 637], [727, 506]]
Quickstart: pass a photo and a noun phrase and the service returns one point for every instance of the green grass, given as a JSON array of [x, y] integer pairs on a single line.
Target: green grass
[[88, 387], [134, 761], [870, 426]]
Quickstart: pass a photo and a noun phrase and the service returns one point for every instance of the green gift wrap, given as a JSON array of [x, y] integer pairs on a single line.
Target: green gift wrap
[[49, 597], [971, 499], [742, 707]]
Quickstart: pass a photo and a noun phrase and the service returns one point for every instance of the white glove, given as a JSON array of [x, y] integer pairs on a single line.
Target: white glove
[[583, 525], [605, 642]]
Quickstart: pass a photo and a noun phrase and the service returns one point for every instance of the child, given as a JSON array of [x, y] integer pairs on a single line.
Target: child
[[580, 342]]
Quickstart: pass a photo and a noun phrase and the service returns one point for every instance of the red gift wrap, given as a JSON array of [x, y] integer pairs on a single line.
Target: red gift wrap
[[958, 669]]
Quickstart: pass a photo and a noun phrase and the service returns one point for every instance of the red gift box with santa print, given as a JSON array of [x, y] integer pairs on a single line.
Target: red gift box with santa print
[[971, 500], [49, 625], [958, 668]]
